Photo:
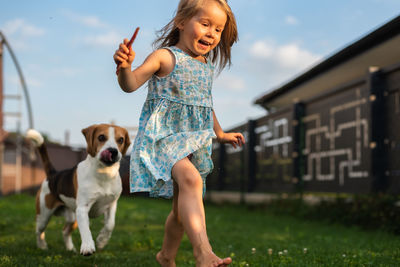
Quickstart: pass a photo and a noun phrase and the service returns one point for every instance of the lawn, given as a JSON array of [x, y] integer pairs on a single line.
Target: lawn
[[252, 237]]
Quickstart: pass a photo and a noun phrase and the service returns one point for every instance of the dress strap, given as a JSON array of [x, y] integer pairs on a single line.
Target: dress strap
[[175, 51]]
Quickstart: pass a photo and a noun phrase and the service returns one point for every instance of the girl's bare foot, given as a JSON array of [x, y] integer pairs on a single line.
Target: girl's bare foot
[[163, 261], [211, 260]]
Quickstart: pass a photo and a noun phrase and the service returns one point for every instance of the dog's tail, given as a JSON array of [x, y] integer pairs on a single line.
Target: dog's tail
[[39, 143]]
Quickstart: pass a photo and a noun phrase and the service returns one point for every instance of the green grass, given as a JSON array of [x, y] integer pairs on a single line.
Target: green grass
[[233, 230]]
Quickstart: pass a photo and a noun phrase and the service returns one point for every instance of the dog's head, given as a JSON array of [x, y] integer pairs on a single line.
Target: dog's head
[[106, 142]]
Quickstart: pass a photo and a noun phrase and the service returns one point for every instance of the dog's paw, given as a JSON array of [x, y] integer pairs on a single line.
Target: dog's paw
[[73, 249], [42, 245], [88, 248], [101, 243], [102, 239]]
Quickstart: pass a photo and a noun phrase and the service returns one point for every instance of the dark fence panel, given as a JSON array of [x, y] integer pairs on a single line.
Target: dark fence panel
[[274, 147], [233, 165], [216, 177], [392, 140], [337, 137]]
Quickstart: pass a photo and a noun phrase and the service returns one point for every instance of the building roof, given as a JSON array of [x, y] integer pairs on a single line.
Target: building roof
[[379, 48]]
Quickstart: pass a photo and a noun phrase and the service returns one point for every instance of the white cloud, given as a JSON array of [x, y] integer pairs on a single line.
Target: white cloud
[[262, 49], [271, 63], [92, 21], [105, 39], [19, 32], [20, 26], [86, 20], [291, 20], [288, 56], [292, 56], [230, 82]]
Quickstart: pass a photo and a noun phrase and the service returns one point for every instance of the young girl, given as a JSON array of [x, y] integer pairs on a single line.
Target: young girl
[[171, 155]]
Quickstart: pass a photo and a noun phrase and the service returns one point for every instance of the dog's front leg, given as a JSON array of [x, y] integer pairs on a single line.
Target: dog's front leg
[[109, 222], [82, 217]]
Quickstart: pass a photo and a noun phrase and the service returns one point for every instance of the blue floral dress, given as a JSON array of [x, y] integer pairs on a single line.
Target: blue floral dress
[[176, 121]]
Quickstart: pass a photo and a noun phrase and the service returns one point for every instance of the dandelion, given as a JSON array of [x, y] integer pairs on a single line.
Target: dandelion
[[285, 251], [253, 250], [304, 250], [280, 253], [344, 255], [270, 251]]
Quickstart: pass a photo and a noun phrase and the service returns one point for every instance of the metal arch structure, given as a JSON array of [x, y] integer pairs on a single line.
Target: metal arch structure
[[4, 41]]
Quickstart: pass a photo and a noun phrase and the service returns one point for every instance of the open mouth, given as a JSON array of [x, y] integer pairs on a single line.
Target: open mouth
[[205, 43]]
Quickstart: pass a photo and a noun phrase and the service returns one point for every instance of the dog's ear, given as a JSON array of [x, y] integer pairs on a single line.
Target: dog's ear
[[127, 142], [89, 135]]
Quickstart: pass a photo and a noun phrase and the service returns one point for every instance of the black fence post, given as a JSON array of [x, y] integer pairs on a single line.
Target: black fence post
[[221, 166], [243, 176], [375, 83], [298, 145], [251, 162]]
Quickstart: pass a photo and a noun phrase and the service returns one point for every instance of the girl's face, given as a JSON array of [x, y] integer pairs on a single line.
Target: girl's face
[[202, 33]]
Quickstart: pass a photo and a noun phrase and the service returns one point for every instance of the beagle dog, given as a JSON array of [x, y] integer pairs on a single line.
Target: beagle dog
[[85, 191]]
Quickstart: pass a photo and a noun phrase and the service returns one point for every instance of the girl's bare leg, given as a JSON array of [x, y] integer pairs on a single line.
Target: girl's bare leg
[[173, 234], [191, 213]]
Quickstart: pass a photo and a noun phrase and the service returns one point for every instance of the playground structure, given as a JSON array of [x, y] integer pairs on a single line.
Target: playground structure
[[5, 141], [20, 169]]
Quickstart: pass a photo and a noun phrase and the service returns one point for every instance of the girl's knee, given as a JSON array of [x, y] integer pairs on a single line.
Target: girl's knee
[[191, 181], [187, 176]]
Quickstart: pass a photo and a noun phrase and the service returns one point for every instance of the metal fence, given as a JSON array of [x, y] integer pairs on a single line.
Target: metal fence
[[344, 140]]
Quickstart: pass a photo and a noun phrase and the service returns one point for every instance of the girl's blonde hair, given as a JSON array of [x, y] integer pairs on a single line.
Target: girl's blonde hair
[[221, 55]]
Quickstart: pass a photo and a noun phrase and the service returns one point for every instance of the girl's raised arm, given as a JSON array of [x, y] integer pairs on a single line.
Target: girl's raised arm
[[130, 81]]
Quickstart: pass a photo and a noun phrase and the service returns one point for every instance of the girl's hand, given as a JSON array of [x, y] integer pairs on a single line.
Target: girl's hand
[[124, 56], [235, 139]]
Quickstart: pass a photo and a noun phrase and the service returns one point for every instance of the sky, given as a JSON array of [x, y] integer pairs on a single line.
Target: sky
[[65, 49]]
